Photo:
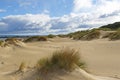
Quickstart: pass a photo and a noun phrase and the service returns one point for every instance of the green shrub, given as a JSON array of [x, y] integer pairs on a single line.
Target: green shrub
[[65, 59], [35, 38]]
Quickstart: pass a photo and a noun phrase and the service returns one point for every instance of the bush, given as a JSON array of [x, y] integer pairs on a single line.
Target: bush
[[65, 59], [36, 38]]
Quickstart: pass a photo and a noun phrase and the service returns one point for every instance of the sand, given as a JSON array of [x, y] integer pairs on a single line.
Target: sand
[[101, 56]]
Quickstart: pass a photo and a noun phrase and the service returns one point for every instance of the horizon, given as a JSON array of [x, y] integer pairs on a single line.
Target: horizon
[[42, 17]]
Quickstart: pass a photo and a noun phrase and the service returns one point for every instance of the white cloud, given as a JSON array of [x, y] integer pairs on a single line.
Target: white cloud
[[80, 4], [2, 10], [86, 14], [44, 24], [96, 6]]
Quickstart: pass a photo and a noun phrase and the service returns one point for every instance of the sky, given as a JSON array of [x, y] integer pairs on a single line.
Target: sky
[[41, 17]]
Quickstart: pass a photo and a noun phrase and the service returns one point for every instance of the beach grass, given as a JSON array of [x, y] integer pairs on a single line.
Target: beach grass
[[63, 59]]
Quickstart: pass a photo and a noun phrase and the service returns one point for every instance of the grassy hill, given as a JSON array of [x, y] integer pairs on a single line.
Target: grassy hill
[[113, 26]]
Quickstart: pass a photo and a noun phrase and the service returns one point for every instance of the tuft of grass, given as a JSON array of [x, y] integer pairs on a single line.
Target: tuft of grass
[[36, 38], [22, 67], [64, 59]]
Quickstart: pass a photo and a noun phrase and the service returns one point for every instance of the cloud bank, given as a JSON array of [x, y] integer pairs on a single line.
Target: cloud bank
[[86, 14]]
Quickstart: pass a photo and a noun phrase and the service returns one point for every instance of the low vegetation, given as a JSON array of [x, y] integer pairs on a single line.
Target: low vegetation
[[51, 36], [62, 35], [36, 38], [114, 36], [22, 67], [85, 35], [105, 29], [1, 42], [113, 26], [78, 35], [93, 34], [64, 59], [11, 40]]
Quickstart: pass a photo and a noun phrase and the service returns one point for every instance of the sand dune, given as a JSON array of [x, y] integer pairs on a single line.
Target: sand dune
[[101, 57]]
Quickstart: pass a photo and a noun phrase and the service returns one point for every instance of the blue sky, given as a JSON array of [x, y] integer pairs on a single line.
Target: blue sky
[[53, 7], [24, 17]]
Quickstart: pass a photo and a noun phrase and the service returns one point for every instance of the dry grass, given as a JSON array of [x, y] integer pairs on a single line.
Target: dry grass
[[12, 40], [113, 36], [78, 35], [85, 35], [64, 59], [93, 34], [22, 67]]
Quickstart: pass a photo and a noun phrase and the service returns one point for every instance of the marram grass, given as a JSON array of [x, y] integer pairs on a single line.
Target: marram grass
[[64, 59]]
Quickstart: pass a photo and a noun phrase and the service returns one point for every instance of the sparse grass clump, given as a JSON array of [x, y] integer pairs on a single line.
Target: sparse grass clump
[[85, 35], [114, 36], [51, 36], [78, 35], [65, 59], [22, 67], [93, 34], [12, 40], [36, 38]]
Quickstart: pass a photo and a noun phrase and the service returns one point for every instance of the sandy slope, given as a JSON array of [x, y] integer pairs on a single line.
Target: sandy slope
[[101, 56]]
